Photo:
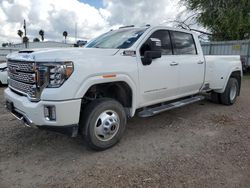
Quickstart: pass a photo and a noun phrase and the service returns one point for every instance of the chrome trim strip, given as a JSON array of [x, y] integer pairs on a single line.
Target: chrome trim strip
[[23, 117], [27, 121]]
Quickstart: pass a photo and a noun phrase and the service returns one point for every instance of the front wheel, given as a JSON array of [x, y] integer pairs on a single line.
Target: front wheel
[[103, 123], [231, 92]]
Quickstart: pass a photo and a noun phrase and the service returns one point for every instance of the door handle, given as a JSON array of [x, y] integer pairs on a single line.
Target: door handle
[[200, 62], [174, 64]]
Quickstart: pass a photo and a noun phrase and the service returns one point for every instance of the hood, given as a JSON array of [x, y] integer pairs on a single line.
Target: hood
[[60, 54]]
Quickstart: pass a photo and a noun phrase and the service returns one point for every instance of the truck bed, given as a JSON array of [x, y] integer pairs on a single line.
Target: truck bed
[[218, 69]]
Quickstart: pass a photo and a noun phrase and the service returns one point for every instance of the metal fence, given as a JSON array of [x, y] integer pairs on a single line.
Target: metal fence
[[241, 48]]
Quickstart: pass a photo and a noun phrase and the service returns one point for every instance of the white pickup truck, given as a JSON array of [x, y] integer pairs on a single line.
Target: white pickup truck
[[3, 74], [93, 90]]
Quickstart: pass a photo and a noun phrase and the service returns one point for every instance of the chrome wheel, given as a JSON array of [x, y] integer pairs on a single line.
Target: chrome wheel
[[233, 92], [107, 125]]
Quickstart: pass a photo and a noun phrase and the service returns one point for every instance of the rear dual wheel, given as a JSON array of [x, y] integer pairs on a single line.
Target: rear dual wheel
[[229, 96]]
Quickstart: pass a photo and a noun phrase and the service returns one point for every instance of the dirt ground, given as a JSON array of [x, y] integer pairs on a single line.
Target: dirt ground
[[200, 145]]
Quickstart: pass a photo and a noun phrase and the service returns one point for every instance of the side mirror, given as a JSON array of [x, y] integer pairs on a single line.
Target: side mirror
[[152, 54], [153, 51], [149, 56], [155, 44]]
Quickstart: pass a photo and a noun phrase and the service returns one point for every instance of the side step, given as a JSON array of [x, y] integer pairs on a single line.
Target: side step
[[148, 112]]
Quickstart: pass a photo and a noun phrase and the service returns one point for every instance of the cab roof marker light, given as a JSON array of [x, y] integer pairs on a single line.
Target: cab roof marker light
[[127, 26]]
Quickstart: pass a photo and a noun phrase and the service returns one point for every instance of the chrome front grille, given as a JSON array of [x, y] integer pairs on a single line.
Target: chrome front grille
[[23, 87], [23, 66], [28, 78], [22, 78]]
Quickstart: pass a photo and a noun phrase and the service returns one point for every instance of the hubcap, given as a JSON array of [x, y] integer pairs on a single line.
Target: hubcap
[[233, 92], [107, 125]]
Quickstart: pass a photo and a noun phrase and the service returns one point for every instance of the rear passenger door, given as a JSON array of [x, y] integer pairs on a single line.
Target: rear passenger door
[[191, 64]]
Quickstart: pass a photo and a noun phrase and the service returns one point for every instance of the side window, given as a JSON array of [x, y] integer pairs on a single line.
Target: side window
[[163, 36], [183, 43]]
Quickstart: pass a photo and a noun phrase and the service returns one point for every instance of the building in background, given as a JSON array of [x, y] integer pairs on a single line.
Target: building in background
[[4, 51], [46, 44]]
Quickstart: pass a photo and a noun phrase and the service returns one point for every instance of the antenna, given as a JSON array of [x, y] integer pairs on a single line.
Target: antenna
[[76, 32]]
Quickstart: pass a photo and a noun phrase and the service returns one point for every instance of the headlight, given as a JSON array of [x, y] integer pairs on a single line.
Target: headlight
[[60, 73], [57, 73]]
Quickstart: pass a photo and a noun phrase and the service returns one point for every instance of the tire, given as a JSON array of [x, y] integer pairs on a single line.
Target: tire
[[215, 97], [103, 123], [248, 69], [231, 92]]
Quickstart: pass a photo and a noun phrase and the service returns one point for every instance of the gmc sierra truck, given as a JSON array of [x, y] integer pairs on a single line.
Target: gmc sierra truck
[[3, 74], [131, 70]]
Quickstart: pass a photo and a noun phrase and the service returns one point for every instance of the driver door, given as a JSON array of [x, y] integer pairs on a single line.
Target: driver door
[[159, 81]]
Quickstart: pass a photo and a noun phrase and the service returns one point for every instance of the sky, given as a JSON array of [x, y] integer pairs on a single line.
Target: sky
[[95, 3], [89, 18]]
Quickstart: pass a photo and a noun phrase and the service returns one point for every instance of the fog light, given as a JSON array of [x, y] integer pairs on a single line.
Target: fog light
[[50, 113]]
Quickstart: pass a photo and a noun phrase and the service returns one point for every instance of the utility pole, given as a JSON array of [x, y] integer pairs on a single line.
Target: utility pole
[[24, 27]]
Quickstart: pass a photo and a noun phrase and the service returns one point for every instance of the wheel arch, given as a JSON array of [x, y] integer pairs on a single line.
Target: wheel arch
[[120, 88], [235, 73]]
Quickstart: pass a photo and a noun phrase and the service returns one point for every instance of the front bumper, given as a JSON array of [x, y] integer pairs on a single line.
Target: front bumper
[[32, 113]]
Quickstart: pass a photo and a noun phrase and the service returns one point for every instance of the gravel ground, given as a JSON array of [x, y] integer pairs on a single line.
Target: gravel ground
[[200, 145]]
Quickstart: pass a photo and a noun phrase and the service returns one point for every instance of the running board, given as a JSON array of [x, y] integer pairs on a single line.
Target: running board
[[148, 112]]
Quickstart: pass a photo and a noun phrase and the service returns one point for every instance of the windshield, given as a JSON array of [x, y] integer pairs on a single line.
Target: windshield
[[118, 39]]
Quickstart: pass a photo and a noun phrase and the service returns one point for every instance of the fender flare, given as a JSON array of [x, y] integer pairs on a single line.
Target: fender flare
[[99, 79], [234, 69]]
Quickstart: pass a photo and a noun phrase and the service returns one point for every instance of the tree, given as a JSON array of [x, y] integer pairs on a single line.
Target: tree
[[41, 32], [36, 40], [25, 39], [190, 23], [20, 33], [65, 34], [5, 44], [225, 19]]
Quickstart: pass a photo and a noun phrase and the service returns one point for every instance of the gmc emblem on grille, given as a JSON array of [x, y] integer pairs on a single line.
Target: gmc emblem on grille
[[13, 69]]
